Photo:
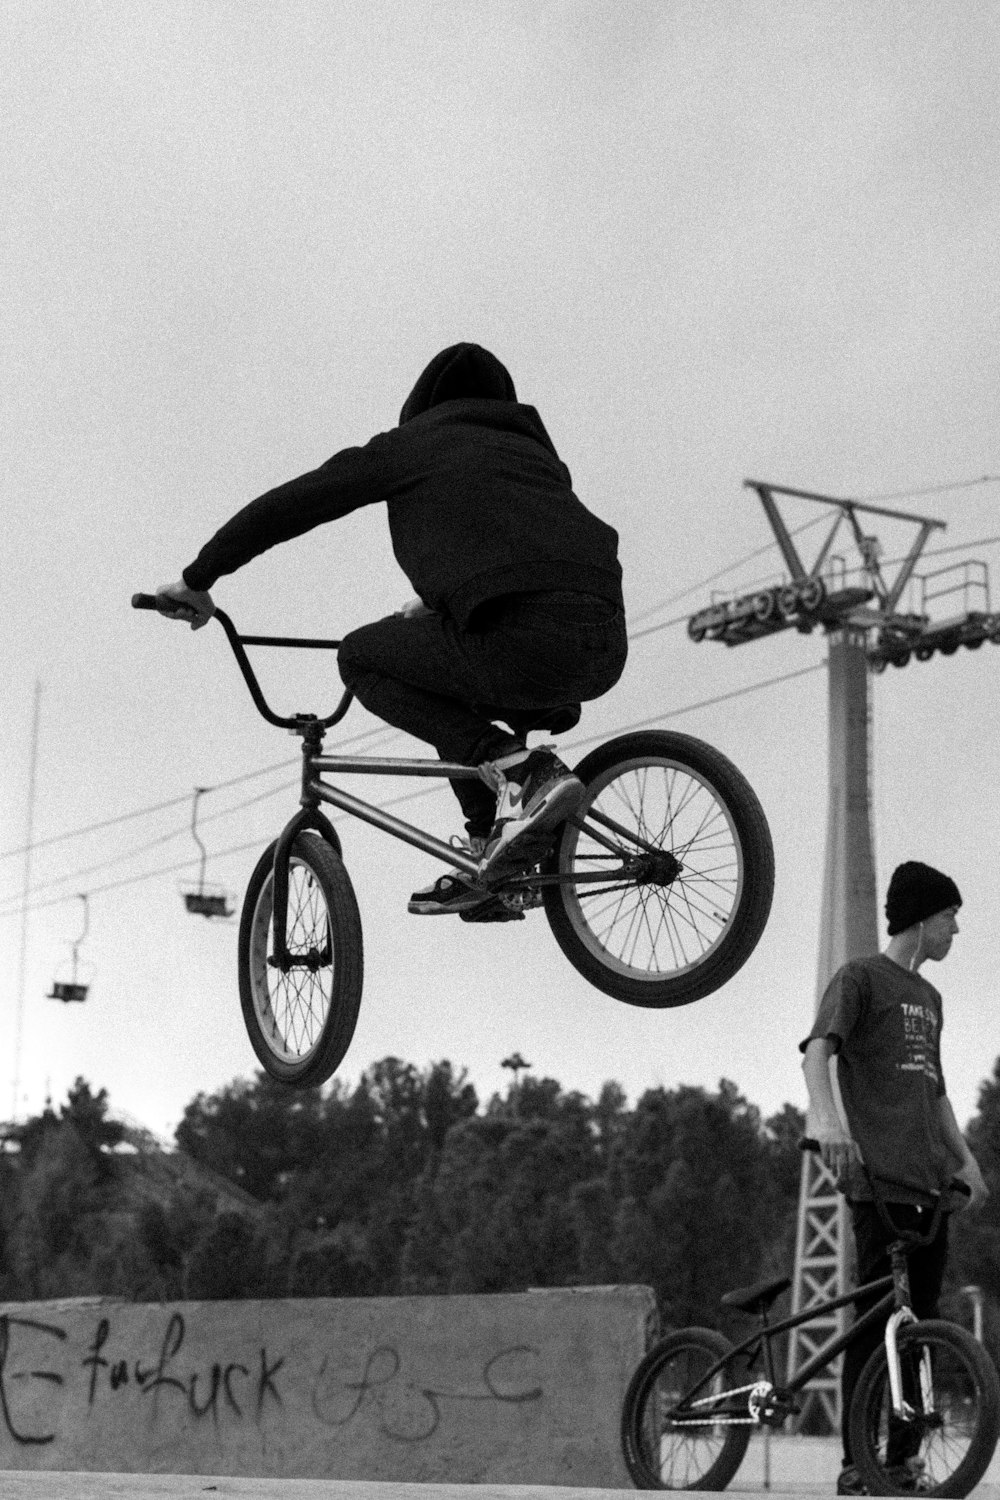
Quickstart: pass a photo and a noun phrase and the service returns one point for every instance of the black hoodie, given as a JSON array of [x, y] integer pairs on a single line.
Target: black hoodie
[[480, 505]]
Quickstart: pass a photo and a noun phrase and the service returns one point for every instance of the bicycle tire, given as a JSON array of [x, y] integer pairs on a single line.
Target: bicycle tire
[[947, 1449], [300, 1024], [659, 1456], [664, 943]]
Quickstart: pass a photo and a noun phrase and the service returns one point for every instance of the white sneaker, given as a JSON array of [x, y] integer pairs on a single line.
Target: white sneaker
[[535, 793]]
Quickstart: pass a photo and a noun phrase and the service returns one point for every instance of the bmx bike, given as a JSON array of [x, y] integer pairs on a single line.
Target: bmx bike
[[924, 1418], [657, 889]]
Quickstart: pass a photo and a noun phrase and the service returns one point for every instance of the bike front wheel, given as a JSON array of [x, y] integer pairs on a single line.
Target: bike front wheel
[[951, 1388], [669, 1438], [301, 1020], [665, 871]]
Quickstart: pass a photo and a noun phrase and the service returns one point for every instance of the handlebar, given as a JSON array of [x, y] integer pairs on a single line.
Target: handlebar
[[149, 601], [297, 722], [909, 1237]]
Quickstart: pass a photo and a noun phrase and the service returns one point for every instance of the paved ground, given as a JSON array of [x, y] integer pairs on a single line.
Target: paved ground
[[787, 1466], [21, 1485]]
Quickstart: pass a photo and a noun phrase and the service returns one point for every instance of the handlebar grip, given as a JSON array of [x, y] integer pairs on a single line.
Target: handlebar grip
[[152, 601]]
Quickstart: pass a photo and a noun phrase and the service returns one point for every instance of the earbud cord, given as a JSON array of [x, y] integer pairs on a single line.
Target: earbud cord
[[916, 951]]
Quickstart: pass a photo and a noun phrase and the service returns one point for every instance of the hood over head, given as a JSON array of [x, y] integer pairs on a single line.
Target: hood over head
[[461, 370]]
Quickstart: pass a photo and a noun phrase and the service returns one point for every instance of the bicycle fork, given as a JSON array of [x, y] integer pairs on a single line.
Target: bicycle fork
[[898, 1319], [900, 1405]]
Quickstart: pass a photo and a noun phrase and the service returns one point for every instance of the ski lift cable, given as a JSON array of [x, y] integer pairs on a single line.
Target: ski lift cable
[[11, 904], [932, 489], [720, 573], [634, 635], [164, 838], [235, 849], [155, 807]]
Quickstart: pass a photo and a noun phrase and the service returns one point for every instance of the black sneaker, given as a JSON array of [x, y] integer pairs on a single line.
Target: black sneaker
[[908, 1477], [452, 891], [849, 1482], [535, 793]]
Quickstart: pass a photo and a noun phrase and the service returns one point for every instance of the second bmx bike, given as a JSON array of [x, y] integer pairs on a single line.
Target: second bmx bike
[[657, 888], [924, 1417]]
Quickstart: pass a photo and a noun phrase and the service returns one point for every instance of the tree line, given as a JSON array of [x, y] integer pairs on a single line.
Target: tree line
[[407, 1183]]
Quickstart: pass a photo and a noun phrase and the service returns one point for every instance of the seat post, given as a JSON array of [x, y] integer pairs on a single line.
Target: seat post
[[766, 1344]]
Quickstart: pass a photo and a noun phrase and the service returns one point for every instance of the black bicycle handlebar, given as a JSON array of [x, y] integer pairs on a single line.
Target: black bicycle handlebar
[[237, 642], [909, 1237]]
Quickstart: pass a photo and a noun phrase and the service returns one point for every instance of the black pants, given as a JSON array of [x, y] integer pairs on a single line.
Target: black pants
[[446, 683], [926, 1272]]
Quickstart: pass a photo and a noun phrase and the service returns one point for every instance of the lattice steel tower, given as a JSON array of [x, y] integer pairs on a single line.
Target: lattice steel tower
[[867, 628]]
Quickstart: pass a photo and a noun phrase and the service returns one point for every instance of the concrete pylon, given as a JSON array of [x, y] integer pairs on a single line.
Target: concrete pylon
[[848, 929], [849, 917]]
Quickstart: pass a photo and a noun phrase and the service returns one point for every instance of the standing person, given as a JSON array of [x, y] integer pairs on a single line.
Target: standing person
[[519, 611], [882, 1020]]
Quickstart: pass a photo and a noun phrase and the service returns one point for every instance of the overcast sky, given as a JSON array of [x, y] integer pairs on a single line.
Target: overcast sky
[[710, 240]]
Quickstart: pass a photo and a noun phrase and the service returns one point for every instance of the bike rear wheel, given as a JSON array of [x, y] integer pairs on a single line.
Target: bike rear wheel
[[667, 871], [301, 1022], [663, 1450], [951, 1385]]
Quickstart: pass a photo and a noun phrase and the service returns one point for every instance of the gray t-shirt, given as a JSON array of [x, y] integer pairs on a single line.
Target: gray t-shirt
[[885, 1026]]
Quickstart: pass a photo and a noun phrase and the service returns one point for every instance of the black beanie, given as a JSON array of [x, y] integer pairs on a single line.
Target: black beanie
[[916, 892]]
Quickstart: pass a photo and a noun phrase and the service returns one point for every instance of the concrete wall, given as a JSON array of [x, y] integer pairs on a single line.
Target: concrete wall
[[522, 1389]]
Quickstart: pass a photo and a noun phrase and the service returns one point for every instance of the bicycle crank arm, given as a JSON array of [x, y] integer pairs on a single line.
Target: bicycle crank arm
[[593, 877]]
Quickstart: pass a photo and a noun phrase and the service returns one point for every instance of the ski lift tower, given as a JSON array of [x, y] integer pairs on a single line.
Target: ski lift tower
[[861, 612]]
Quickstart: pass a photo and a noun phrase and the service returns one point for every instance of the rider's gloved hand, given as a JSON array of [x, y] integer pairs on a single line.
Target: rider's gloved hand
[[179, 602]]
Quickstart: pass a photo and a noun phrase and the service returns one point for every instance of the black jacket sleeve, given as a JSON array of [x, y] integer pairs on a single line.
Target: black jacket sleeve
[[350, 479]]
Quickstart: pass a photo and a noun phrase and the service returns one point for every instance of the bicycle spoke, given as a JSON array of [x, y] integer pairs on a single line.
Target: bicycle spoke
[[676, 1452], [294, 1010], [654, 925]]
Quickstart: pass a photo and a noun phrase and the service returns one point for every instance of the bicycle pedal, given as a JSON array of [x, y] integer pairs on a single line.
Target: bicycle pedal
[[493, 910]]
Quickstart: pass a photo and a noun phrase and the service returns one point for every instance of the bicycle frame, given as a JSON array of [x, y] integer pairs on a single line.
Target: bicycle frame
[[690, 1412], [894, 1307], [315, 791]]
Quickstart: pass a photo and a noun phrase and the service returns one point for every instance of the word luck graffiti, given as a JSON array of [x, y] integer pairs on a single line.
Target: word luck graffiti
[[42, 1371], [201, 1390], [161, 1375]]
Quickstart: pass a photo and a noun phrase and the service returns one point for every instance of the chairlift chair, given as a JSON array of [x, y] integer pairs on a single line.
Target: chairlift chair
[[75, 988], [203, 900]]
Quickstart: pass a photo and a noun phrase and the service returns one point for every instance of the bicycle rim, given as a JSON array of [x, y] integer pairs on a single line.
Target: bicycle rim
[[673, 1453], [953, 1393], [292, 1009], [650, 931]]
